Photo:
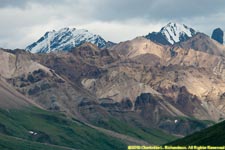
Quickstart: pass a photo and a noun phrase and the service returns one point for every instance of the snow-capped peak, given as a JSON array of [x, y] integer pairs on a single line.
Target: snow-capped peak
[[64, 40], [171, 33], [175, 32]]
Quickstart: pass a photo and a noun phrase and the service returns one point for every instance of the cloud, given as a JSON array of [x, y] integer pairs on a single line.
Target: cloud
[[24, 21], [117, 31], [108, 10], [12, 3], [24, 3], [154, 10]]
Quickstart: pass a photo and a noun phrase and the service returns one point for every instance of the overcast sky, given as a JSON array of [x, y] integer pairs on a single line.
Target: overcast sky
[[24, 21]]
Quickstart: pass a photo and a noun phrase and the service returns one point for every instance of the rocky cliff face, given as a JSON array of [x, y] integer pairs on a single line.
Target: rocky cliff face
[[218, 35]]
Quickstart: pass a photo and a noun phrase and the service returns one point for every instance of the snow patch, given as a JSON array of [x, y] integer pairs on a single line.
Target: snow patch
[[32, 132], [175, 121]]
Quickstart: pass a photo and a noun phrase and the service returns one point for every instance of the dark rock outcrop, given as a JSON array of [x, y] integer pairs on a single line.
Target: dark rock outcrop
[[218, 35], [144, 100]]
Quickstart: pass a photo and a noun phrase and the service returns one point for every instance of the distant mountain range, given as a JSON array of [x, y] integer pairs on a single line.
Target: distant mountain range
[[67, 38]]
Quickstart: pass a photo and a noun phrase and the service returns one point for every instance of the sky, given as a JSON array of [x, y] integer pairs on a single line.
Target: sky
[[23, 22]]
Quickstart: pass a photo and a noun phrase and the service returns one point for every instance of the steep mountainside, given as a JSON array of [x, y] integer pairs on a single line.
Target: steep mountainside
[[10, 98], [204, 43], [25, 124], [64, 40], [198, 71], [118, 80], [171, 33], [61, 90], [212, 136]]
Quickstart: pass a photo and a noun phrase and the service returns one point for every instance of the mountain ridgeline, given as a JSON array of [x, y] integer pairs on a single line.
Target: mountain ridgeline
[[71, 86]]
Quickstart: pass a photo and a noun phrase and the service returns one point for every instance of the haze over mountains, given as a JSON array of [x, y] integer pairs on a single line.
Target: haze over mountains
[[148, 90]]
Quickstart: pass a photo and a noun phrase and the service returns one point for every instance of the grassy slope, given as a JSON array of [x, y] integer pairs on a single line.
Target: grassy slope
[[151, 135], [214, 136], [11, 143], [52, 128]]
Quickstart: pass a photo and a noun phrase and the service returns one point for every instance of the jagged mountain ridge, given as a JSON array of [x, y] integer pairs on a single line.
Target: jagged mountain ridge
[[171, 33], [202, 42], [64, 40]]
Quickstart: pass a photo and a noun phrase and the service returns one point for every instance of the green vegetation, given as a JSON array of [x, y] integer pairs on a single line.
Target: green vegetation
[[213, 136], [11, 143], [151, 135], [52, 128]]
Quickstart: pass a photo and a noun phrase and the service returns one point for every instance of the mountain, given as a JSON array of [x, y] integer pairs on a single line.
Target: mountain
[[133, 80], [12, 99], [171, 33], [66, 73], [28, 95], [163, 61], [202, 42], [212, 136], [137, 47], [27, 121], [126, 87], [218, 35], [64, 40]]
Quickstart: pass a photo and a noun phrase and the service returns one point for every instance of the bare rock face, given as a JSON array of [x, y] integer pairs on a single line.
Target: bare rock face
[[202, 42], [218, 35], [144, 100]]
